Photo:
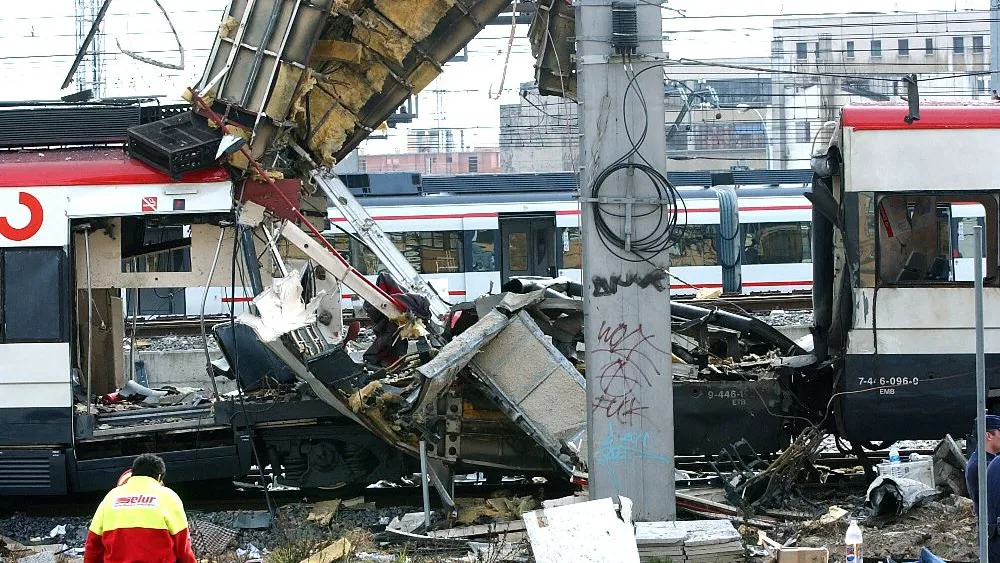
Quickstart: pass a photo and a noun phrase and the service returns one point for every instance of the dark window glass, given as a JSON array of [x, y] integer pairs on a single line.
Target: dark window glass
[[904, 47], [958, 45], [977, 44], [28, 274], [850, 49], [929, 46], [801, 51], [696, 247], [777, 243], [876, 48], [484, 251]]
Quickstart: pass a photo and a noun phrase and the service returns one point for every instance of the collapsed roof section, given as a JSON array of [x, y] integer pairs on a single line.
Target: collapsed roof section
[[329, 72]]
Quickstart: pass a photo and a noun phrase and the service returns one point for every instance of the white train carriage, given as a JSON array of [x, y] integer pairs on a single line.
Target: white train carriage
[[48, 267], [469, 240]]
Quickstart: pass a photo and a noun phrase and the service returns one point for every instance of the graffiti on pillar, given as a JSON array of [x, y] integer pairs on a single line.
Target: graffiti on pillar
[[625, 364], [619, 447], [604, 286]]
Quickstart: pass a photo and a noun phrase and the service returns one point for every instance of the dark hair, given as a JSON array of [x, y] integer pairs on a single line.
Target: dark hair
[[149, 465]]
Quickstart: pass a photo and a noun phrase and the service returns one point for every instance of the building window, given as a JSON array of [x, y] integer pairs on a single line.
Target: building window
[[876, 48], [473, 163], [904, 47], [929, 46], [850, 49], [958, 45], [977, 44], [803, 133], [801, 51]]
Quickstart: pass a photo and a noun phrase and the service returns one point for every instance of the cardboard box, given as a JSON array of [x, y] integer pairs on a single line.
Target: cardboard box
[[803, 555]]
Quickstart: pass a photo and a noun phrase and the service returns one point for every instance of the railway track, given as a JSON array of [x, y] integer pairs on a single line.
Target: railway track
[[762, 303]]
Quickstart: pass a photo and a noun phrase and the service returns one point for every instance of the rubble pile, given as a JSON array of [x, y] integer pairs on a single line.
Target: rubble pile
[[947, 527]]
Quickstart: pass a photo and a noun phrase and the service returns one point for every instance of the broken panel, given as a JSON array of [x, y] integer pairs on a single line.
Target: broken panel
[[537, 387]]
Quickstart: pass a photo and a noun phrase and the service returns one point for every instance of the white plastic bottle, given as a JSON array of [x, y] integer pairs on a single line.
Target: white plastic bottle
[[854, 543], [894, 454]]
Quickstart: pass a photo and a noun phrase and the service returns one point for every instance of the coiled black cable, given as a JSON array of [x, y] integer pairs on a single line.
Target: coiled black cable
[[667, 231]]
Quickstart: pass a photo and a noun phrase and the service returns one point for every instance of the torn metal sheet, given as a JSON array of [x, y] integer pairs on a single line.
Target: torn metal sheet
[[280, 309], [330, 72], [537, 387], [439, 373]]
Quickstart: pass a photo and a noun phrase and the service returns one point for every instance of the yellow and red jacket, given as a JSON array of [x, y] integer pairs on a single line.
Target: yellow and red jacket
[[140, 521]]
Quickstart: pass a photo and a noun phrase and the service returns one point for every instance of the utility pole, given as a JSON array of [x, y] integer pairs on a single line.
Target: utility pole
[[626, 290], [994, 46], [90, 72]]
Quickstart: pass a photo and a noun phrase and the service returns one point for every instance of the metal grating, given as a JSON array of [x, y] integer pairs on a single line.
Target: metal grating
[[46, 126], [25, 473]]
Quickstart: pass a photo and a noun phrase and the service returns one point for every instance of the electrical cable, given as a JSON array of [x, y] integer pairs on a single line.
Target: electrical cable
[[645, 246], [201, 316]]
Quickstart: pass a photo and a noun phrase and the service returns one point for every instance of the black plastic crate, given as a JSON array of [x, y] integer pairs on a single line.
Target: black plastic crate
[[175, 145]]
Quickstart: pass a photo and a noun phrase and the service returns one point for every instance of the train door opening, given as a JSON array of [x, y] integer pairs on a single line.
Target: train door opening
[[528, 246]]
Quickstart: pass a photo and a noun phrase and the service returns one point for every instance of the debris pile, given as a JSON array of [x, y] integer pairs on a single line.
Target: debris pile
[[701, 541]]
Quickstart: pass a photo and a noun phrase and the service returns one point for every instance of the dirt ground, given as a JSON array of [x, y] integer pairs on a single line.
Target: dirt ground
[[947, 527]]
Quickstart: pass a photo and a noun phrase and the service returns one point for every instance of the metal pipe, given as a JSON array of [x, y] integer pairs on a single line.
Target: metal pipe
[[201, 318], [90, 322], [250, 259], [135, 321], [981, 398], [424, 485]]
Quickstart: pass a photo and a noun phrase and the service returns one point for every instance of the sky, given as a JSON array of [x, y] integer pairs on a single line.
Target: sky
[[38, 46]]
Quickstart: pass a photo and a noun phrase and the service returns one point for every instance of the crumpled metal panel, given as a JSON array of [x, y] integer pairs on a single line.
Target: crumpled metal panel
[[332, 71], [537, 388]]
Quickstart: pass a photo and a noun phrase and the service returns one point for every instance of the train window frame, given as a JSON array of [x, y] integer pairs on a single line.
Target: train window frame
[[52, 327], [694, 233], [413, 245], [804, 241], [568, 237], [899, 265]]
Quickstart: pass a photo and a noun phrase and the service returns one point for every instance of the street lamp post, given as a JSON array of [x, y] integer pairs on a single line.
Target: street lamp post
[[743, 108]]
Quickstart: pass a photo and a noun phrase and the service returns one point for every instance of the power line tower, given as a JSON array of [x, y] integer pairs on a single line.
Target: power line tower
[[90, 73]]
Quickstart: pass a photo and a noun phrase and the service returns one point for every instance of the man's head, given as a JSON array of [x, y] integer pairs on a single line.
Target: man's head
[[150, 465], [993, 433]]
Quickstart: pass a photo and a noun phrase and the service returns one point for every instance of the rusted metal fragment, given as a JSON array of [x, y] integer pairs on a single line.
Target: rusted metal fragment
[[550, 35], [417, 18]]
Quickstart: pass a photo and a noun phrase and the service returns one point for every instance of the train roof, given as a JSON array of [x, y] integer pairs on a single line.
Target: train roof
[[406, 189], [687, 193], [93, 166]]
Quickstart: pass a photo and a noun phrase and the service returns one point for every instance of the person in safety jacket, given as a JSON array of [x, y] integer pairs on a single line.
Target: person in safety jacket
[[140, 521]]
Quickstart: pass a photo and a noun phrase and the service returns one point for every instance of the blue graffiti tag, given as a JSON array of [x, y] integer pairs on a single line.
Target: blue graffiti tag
[[619, 447]]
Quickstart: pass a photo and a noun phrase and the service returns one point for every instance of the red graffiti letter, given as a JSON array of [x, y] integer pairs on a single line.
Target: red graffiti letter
[[34, 222]]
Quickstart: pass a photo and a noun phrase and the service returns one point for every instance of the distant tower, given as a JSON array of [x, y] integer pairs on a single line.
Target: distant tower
[[90, 73]]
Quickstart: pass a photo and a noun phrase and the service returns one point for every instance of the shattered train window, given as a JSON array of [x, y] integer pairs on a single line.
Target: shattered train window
[[928, 238]]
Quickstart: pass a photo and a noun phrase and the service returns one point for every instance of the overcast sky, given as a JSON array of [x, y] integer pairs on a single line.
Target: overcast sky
[[37, 47]]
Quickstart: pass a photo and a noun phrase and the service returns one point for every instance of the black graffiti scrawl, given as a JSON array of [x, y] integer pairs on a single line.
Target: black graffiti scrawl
[[609, 286]]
